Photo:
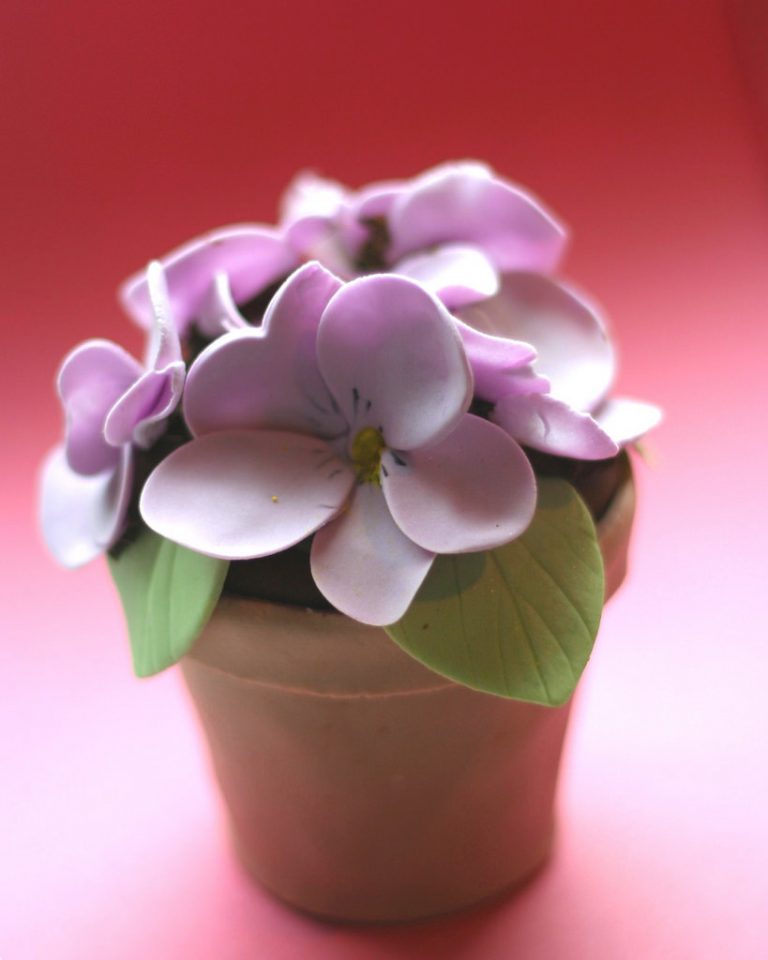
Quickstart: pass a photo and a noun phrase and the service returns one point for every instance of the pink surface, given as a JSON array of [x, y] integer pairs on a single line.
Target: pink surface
[[635, 125]]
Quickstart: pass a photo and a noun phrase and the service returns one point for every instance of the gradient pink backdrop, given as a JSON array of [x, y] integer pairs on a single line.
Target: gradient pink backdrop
[[129, 128]]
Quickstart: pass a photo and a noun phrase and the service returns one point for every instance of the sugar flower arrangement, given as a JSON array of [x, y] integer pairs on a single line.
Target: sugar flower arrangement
[[370, 383]]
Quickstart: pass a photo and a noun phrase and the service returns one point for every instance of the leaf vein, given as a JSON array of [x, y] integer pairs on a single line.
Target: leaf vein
[[559, 587], [504, 665], [467, 645], [552, 633], [523, 628]]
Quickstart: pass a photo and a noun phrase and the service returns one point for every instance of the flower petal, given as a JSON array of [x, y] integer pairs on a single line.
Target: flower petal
[[376, 199], [252, 256], [456, 273], [626, 420], [242, 494], [494, 359], [467, 204], [92, 377], [318, 224], [327, 245], [267, 377], [82, 516], [309, 196], [164, 346], [139, 414], [393, 359], [474, 490], [545, 423], [218, 312], [364, 564], [567, 332]]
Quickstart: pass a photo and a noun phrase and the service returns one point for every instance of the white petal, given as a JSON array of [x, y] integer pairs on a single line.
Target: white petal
[[626, 420], [567, 332], [544, 423], [241, 494], [393, 359], [364, 564], [218, 312], [267, 377], [475, 490], [82, 516], [456, 273]]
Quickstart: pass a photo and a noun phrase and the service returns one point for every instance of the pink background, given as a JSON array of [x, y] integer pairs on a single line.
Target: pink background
[[127, 132]]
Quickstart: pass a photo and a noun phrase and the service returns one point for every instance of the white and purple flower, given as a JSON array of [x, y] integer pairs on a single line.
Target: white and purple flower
[[112, 404], [345, 415], [417, 343], [236, 263], [486, 248], [571, 415]]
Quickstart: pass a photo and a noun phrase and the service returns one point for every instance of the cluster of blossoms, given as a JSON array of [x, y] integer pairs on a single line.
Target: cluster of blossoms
[[367, 372]]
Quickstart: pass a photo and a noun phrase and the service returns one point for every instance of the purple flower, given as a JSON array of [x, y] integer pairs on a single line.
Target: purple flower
[[111, 403], [343, 415], [455, 229], [560, 403], [208, 276]]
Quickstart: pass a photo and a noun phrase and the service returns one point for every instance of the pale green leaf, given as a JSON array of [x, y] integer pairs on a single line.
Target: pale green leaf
[[519, 621], [168, 595]]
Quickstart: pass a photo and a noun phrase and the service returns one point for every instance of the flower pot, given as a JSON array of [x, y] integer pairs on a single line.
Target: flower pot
[[360, 785]]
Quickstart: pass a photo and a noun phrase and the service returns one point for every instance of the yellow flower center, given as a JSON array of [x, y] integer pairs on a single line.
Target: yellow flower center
[[367, 448]]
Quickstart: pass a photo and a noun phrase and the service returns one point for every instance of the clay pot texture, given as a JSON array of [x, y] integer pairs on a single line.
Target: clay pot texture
[[360, 785]]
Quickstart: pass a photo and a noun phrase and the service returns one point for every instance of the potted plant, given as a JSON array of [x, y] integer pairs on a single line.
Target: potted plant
[[369, 487]]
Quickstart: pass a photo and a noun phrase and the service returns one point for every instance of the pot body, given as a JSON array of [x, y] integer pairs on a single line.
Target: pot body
[[360, 785]]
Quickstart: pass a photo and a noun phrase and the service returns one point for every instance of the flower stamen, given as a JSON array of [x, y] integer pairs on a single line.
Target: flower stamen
[[367, 449]]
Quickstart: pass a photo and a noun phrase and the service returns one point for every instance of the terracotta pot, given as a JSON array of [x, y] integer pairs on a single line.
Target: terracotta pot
[[360, 785]]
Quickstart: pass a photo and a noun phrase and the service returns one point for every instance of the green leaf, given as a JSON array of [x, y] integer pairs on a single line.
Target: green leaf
[[168, 595], [519, 621]]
